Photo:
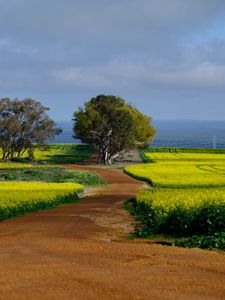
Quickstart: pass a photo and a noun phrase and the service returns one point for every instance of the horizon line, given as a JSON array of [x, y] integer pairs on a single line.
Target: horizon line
[[164, 120]]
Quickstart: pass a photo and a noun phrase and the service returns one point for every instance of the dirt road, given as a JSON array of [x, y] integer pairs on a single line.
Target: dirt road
[[77, 251]]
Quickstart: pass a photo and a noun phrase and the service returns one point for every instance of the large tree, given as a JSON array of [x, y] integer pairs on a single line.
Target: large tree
[[24, 125], [112, 126]]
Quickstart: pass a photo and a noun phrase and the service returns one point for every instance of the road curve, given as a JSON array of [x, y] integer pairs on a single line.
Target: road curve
[[77, 251]]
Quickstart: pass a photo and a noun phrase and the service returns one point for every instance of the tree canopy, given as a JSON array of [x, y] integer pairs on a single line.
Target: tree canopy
[[112, 126], [24, 124]]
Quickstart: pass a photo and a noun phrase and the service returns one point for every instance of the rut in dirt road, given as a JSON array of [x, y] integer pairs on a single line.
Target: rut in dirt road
[[77, 251]]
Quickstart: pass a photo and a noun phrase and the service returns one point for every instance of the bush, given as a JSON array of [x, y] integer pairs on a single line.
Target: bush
[[171, 212], [214, 241]]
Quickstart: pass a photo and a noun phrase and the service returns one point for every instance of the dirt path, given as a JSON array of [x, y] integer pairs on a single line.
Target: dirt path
[[76, 252]]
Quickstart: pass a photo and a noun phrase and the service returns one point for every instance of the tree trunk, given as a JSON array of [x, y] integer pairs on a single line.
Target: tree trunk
[[99, 160], [3, 154], [112, 157]]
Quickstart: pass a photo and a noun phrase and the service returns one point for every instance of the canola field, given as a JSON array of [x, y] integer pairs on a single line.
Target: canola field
[[18, 165], [188, 194], [183, 212], [18, 198], [184, 157], [181, 169], [31, 187]]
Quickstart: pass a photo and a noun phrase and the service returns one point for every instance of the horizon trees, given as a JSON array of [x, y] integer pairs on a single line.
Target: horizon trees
[[112, 126], [24, 125]]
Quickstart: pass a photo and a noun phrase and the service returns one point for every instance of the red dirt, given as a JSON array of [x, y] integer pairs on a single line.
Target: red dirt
[[77, 251]]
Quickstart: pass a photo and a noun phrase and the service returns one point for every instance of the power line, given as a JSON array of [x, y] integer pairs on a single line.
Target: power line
[[214, 142]]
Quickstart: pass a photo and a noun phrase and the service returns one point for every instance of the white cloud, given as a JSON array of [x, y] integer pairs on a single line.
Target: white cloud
[[128, 75], [82, 77], [204, 75]]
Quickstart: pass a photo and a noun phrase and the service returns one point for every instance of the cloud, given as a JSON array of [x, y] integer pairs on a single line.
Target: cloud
[[204, 75], [128, 47], [102, 19], [122, 75]]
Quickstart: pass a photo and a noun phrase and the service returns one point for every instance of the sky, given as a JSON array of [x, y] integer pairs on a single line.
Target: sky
[[166, 57]]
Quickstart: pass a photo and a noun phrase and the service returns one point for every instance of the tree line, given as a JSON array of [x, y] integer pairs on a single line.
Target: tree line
[[109, 124]]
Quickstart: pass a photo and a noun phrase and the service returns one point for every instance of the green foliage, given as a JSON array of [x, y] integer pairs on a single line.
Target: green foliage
[[181, 150], [58, 154], [24, 124], [7, 176], [146, 159], [111, 126], [181, 212], [64, 153], [49, 174], [214, 241]]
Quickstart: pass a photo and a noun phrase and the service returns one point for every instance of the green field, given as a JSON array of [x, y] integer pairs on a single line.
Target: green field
[[60, 153], [44, 173], [188, 195], [64, 153]]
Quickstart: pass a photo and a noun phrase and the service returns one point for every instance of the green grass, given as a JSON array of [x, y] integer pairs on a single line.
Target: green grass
[[183, 150], [61, 154], [213, 241], [188, 196], [48, 174], [64, 153]]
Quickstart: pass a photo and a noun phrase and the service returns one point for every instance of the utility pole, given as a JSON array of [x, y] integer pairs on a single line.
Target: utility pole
[[214, 142]]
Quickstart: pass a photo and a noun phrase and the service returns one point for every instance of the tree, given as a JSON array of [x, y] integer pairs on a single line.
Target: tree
[[112, 126], [24, 125]]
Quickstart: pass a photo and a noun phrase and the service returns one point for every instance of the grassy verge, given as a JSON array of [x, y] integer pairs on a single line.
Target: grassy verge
[[64, 153], [183, 150], [60, 154], [26, 172]]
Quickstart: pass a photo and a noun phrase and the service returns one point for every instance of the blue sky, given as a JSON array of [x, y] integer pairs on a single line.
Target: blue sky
[[167, 57]]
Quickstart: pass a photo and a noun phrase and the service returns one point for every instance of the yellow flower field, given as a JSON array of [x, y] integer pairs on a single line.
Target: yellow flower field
[[188, 194], [20, 197], [179, 174], [171, 157], [9, 165], [15, 166], [182, 212], [169, 199]]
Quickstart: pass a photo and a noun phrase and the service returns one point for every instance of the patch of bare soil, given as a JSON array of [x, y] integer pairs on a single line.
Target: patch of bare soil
[[78, 251]]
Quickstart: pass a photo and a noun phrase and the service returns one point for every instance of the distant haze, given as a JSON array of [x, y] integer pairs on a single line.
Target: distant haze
[[166, 57]]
